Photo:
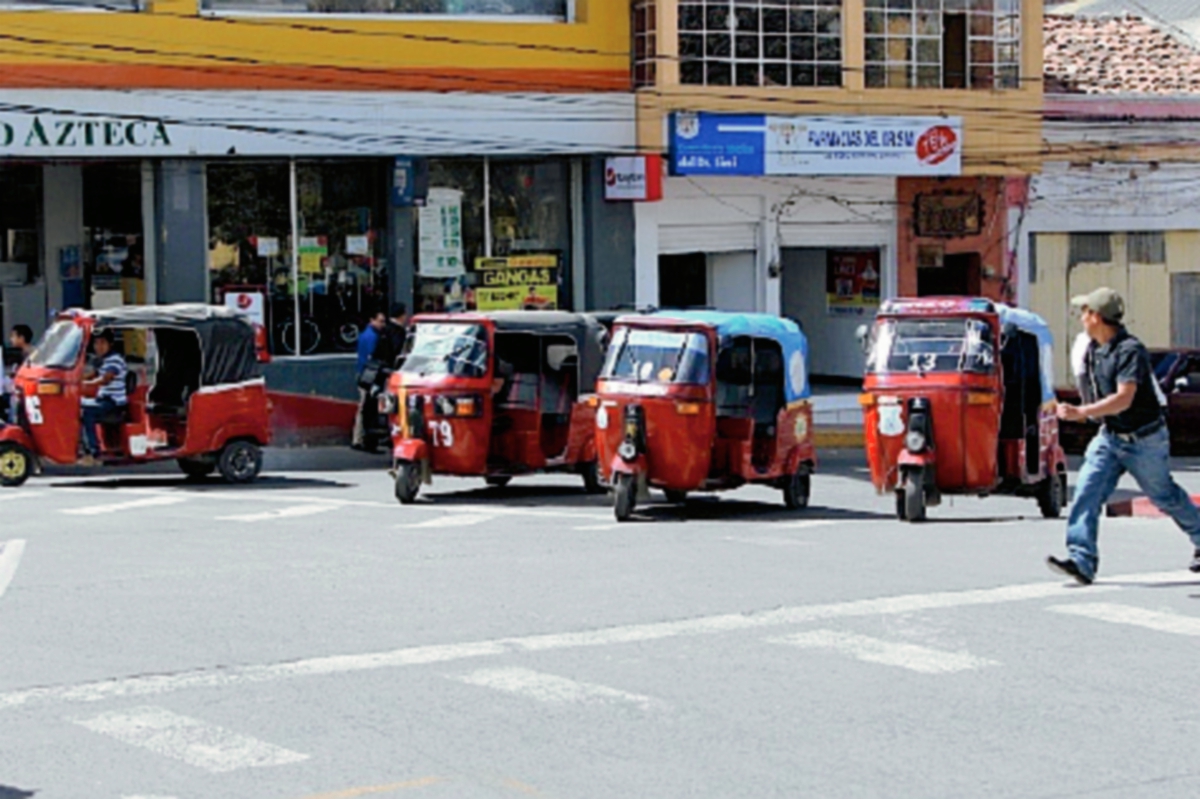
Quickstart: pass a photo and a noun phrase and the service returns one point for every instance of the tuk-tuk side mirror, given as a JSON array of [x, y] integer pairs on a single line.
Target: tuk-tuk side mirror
[[557, 355], [861, 334]]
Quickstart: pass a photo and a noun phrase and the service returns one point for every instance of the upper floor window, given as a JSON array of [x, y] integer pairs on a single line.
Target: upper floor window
[[760, 42], [943, 44], [645, 43], [452, 8]]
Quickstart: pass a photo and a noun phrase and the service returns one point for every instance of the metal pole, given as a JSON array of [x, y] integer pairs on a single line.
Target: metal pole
[[295, 214], [487, 207]]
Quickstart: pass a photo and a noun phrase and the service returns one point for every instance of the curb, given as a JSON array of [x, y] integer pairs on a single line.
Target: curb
[[1138, 508], [838, 437]]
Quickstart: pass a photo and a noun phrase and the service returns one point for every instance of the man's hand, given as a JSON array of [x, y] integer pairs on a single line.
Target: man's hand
[[1070, 413]]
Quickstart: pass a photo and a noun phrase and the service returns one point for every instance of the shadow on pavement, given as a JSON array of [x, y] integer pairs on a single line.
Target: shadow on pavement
[[521, 495], [269, 483], [712, 508], [7, 792]]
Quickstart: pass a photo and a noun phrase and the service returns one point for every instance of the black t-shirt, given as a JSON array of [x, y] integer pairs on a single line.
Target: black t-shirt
[[391, 344], [1125, 360]]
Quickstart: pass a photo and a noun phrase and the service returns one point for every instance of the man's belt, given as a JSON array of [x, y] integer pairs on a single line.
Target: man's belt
[[1139, 434]]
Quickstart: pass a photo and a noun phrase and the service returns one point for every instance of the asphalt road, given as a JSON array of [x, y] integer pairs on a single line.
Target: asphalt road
[[308, 637]]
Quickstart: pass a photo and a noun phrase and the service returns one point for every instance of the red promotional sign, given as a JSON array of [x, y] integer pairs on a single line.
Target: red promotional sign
[[936, 145]]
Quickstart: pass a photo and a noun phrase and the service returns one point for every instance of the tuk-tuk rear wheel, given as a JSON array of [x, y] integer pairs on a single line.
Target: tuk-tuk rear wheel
[[590, 472], [498, 481], [408, 481], [240, 462], [914, 496], [797, 490], [675, 497], [624, 496], [1052, 496], [16, 464]]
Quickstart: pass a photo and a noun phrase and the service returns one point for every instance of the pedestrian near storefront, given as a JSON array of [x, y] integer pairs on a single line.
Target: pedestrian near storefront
[[394, 335], [1120, 391], [364, 420]]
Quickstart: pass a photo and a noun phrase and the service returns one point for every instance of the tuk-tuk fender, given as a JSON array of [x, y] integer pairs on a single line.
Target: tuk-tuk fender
[[916, 459], [16, 434], [622, 466], [411, 449], [259, 435]]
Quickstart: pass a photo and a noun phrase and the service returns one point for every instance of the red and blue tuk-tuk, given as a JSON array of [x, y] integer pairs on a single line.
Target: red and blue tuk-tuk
[[194, 387], [704, 401], [958, 399], [495, 395]]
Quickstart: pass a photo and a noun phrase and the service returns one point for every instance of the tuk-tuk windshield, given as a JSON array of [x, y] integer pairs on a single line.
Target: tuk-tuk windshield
[[657, 356], [59, 347], [932, 345], [454, 350]]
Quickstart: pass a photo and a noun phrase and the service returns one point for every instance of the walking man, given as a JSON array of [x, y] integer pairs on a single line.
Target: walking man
[[1119, 391], [364, 420]]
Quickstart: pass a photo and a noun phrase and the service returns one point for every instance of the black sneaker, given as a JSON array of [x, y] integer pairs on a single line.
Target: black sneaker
[[1195, 564], [1067, 566]]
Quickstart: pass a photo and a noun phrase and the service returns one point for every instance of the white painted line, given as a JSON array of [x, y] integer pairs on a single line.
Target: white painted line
[[10, 557], [194, 742], [156, 684], [1158, 620], [9, 496], [148, 796], [117, 507], [766, 541], [551, 689], [452, 520], [888, 653], [807, 524], [613, 526], [292, 512]]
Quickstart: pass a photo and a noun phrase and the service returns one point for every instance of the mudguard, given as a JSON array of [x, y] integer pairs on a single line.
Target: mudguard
[[16, 434], [622, 466], [922, 459], [411, 449]]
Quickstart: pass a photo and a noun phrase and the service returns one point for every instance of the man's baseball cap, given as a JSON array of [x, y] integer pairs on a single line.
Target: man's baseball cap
[[1104, 301]]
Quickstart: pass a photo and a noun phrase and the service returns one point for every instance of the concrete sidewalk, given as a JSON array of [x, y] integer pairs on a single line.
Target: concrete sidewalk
[[837, 417]]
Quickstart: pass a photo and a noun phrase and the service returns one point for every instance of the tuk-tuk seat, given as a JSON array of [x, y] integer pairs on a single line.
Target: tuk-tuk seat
[[169, 408]]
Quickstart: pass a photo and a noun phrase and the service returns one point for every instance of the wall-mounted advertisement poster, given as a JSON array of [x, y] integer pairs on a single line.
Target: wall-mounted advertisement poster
[[852, 282], [519, 282], [440, 245]]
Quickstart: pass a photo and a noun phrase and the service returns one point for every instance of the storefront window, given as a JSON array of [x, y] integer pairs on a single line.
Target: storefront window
[[113, 262], [342, 273], [556, 9], [20, 243]]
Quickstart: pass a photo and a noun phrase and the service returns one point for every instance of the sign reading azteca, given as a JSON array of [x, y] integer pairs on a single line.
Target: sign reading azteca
[[35, 133], [754, 144]]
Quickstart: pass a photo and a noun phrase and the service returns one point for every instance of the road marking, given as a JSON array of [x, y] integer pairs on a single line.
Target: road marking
[[156, 684], [805, 525], [888, 653], [117, 507], [194, 742], [8, 496], [148, 796], [611, 526], [1159, 621], [352, 793], [767, 541], [292, 512], [452, 520], [551, 689], [10, 557]]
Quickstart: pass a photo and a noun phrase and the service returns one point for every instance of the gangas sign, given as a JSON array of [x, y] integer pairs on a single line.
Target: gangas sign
[[56, 135]]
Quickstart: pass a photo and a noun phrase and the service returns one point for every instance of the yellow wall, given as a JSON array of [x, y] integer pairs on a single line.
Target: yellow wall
[[1002, 128], [1145, 287], [172, 45]]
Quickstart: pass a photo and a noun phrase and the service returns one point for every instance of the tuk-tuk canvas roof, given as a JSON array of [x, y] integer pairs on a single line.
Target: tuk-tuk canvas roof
[[784, 331], [226, 337]]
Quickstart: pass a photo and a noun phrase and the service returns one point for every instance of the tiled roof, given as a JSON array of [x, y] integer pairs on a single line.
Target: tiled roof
[[1117, 55]]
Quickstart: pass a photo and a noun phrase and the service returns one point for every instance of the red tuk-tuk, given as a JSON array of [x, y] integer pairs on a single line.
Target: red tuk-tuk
[[958, 399], [495, 395], [195, 393], [704, 401]]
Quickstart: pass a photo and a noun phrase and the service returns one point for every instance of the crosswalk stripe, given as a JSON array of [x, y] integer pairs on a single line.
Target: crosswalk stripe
[[292, 512], [888, 653], [9, 496], [117, 507], [451, 520], [1160, 621], [198, 744], [551, 689], [10, 558]]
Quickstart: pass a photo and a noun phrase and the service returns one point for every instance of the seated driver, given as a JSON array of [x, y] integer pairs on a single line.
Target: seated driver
[[109, 383]]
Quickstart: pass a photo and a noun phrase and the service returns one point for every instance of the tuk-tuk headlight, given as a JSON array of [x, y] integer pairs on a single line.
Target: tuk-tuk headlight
[[389, 404], [627, 450], [461, 407], [915, 441], [416, 416]]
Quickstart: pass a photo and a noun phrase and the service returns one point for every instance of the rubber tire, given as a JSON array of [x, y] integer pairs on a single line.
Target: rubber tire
[[914, 497], [624, 497], [798, 490], [1052, 496], [591, 478], [16, 464], [900, 512], [408, 482], [675, 497], [197, 468], [499, 481], [240, 462]]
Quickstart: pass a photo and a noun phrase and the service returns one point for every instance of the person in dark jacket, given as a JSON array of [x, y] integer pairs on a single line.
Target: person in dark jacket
[[393, 337], [365, 419], [1119, 390]]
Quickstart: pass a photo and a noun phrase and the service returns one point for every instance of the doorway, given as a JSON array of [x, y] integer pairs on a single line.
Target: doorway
[[960, 275], [683, 280]]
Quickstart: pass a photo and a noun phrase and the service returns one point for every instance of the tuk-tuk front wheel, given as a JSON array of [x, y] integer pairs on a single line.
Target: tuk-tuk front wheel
[[674, 496], [624, 496], [797, 490], [408, 481], [914, 496], [16, 464], [240, 462], [498, 481], [590, 472], [1052, 496]]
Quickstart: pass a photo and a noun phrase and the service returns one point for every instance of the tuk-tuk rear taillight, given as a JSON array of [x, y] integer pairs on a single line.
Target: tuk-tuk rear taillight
[[261, 350]]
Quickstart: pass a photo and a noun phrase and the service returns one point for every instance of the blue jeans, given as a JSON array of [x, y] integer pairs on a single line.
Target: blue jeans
[[1107, 458], [93, 413]]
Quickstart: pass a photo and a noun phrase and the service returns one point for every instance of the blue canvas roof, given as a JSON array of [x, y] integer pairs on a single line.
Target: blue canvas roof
[[789, 335]]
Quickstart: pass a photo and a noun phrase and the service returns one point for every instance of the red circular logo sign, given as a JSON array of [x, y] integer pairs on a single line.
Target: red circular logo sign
[[244, 301], [936, 145], [610, 176]]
